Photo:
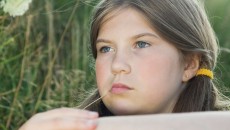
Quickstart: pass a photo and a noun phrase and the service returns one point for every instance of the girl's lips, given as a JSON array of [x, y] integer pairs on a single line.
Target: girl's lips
[[119, 88]]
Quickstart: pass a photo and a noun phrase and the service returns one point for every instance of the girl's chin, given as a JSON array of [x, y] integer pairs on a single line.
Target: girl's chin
[[122, 110], [119, 106], [128, 109]]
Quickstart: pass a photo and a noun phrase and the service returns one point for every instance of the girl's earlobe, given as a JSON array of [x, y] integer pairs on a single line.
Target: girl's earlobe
[[191, 67]]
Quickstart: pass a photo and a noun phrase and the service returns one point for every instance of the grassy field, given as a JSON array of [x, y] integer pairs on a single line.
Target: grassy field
[[45, 60]]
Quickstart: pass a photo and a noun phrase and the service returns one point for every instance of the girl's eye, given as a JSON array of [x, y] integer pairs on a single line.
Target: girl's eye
[[142, 44], [105, 49]]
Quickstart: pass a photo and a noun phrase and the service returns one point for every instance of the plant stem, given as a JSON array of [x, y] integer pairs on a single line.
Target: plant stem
[[23, 66]]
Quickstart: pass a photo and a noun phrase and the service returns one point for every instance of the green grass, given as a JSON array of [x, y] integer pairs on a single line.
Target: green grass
[[44, 60], [44, 57], [219, 13]]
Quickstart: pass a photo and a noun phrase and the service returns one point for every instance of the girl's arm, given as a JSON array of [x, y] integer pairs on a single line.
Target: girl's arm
[[182, 121], [62, 119]]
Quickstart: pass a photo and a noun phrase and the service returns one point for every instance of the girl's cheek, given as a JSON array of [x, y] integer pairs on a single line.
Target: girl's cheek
[[103, 64], [100, 71], [101, 78]]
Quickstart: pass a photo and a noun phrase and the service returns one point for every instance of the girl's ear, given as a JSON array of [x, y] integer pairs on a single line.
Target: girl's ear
[[191, 67]]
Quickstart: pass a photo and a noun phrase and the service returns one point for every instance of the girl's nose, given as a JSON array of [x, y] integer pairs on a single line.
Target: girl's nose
[[120, 64]]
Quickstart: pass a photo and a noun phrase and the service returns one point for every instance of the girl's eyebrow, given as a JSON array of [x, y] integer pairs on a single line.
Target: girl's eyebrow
[[146, 34], [103, 41], [100, 40]]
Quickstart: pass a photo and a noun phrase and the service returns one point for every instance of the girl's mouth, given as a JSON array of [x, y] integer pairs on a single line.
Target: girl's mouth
[[119, 88]]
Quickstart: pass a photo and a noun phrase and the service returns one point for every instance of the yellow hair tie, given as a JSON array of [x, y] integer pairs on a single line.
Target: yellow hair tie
[[205, 72]]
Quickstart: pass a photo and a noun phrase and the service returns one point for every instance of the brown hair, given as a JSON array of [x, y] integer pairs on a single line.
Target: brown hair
[[185, 24]]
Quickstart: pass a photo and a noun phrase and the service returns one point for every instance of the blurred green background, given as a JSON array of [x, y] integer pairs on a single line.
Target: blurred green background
[[45, 60]]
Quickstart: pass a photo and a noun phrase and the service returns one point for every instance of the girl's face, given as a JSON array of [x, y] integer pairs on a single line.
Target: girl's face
[[140, 72]]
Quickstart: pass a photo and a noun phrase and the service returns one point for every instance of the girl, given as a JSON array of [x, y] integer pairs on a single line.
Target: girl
[[152, 57]]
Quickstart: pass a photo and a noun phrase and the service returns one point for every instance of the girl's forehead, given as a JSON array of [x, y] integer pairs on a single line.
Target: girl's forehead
[[125, 13], [109, 14]]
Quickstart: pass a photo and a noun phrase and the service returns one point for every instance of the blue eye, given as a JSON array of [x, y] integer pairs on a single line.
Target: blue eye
[[142, 44], [105, 49]]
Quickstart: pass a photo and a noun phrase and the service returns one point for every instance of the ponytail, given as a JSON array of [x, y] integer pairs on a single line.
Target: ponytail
[[199, 95]]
